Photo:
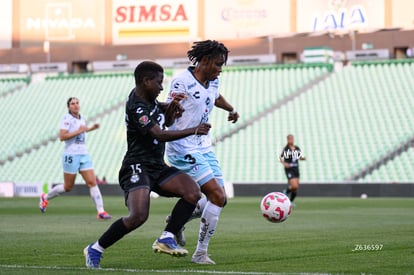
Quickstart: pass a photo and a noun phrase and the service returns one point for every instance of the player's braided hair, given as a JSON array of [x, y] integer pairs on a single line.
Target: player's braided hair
[[209, 48]]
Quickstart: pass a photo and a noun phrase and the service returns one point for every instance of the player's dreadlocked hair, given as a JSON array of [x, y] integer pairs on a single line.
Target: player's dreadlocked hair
[[210, 48]]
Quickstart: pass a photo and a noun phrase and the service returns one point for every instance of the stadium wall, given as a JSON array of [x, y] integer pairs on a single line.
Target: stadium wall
[[330, 190], [279, 46], [306, 189]]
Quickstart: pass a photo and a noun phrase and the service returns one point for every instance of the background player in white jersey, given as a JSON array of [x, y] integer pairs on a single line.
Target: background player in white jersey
[[194, 154], [75, 158]]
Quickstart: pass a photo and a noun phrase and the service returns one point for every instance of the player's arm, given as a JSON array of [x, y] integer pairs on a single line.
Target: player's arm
[[166, 135], [65, 135], [222, 103], [282, 161], [173, 109], [92, 128]]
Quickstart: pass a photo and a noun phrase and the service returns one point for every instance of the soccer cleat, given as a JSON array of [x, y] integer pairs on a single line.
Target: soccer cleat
[[43, 203], [180, 237], [201, 258], [103, 216], [168, 246], [92, 257]]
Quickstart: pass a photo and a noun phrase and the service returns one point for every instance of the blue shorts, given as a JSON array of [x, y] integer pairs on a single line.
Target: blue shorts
[[72, 164], [201, 167]]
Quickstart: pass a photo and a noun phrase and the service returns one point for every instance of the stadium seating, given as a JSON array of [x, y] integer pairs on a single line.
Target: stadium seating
[[342, 124], [255, 89], [398, 170], [106, 145], [34, 112], [8, 85]]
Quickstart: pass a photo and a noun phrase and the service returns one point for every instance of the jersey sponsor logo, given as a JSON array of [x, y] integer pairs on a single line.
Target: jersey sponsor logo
[[192, 85], [196, 95], [292, 154], [208, 101], [144, 120]]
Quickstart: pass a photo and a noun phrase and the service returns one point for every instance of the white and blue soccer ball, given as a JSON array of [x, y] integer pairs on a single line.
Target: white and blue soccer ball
[[276, 207]]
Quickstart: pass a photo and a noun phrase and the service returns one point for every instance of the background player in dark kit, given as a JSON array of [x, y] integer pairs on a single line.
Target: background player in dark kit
[[143, 168], [290, 157]]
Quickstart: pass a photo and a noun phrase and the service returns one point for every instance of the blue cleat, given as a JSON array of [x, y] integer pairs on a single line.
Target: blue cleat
[[169, 246], [180, 237], [92, 257]]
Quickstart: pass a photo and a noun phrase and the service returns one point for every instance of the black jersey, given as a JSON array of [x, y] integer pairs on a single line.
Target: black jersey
[[291, 156], [142, 147]]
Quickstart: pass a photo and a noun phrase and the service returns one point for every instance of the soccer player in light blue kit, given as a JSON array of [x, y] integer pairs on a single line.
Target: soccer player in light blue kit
[[75, 159], [194, 154]]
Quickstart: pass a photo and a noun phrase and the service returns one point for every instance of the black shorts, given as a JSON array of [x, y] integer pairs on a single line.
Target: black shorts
[[133, 177], [292, 173]]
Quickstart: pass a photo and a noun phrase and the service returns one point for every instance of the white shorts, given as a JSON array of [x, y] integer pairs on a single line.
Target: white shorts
[[201, 167], [72, 164]]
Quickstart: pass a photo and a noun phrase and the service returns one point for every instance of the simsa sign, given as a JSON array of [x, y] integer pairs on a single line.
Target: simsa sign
[[143, 21]]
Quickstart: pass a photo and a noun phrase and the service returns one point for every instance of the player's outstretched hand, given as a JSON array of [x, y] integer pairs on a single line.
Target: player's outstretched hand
[[92, 128], [202, 129], [233, 117]]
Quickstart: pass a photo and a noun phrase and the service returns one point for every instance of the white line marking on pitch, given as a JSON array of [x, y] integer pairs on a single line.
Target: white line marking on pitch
[[189, 271]]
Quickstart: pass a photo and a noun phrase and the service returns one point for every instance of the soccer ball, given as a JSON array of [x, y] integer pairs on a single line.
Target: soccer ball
[[275, 207]]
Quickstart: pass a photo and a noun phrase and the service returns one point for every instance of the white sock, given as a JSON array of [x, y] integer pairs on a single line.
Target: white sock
[[56, 191], [166, 234], [201, 204], [97, 198], [96, 246], [208, 225]]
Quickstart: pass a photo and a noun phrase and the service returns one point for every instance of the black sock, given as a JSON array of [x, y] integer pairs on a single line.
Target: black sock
[[287, 191], [180, 215], [293, 195], [114, 233]]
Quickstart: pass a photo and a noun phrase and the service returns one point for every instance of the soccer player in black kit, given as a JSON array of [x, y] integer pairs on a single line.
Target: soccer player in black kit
[[143, 169], [290, 157]]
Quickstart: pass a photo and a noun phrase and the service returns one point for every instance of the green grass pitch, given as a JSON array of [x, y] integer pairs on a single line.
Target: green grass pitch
[[319, 237]]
